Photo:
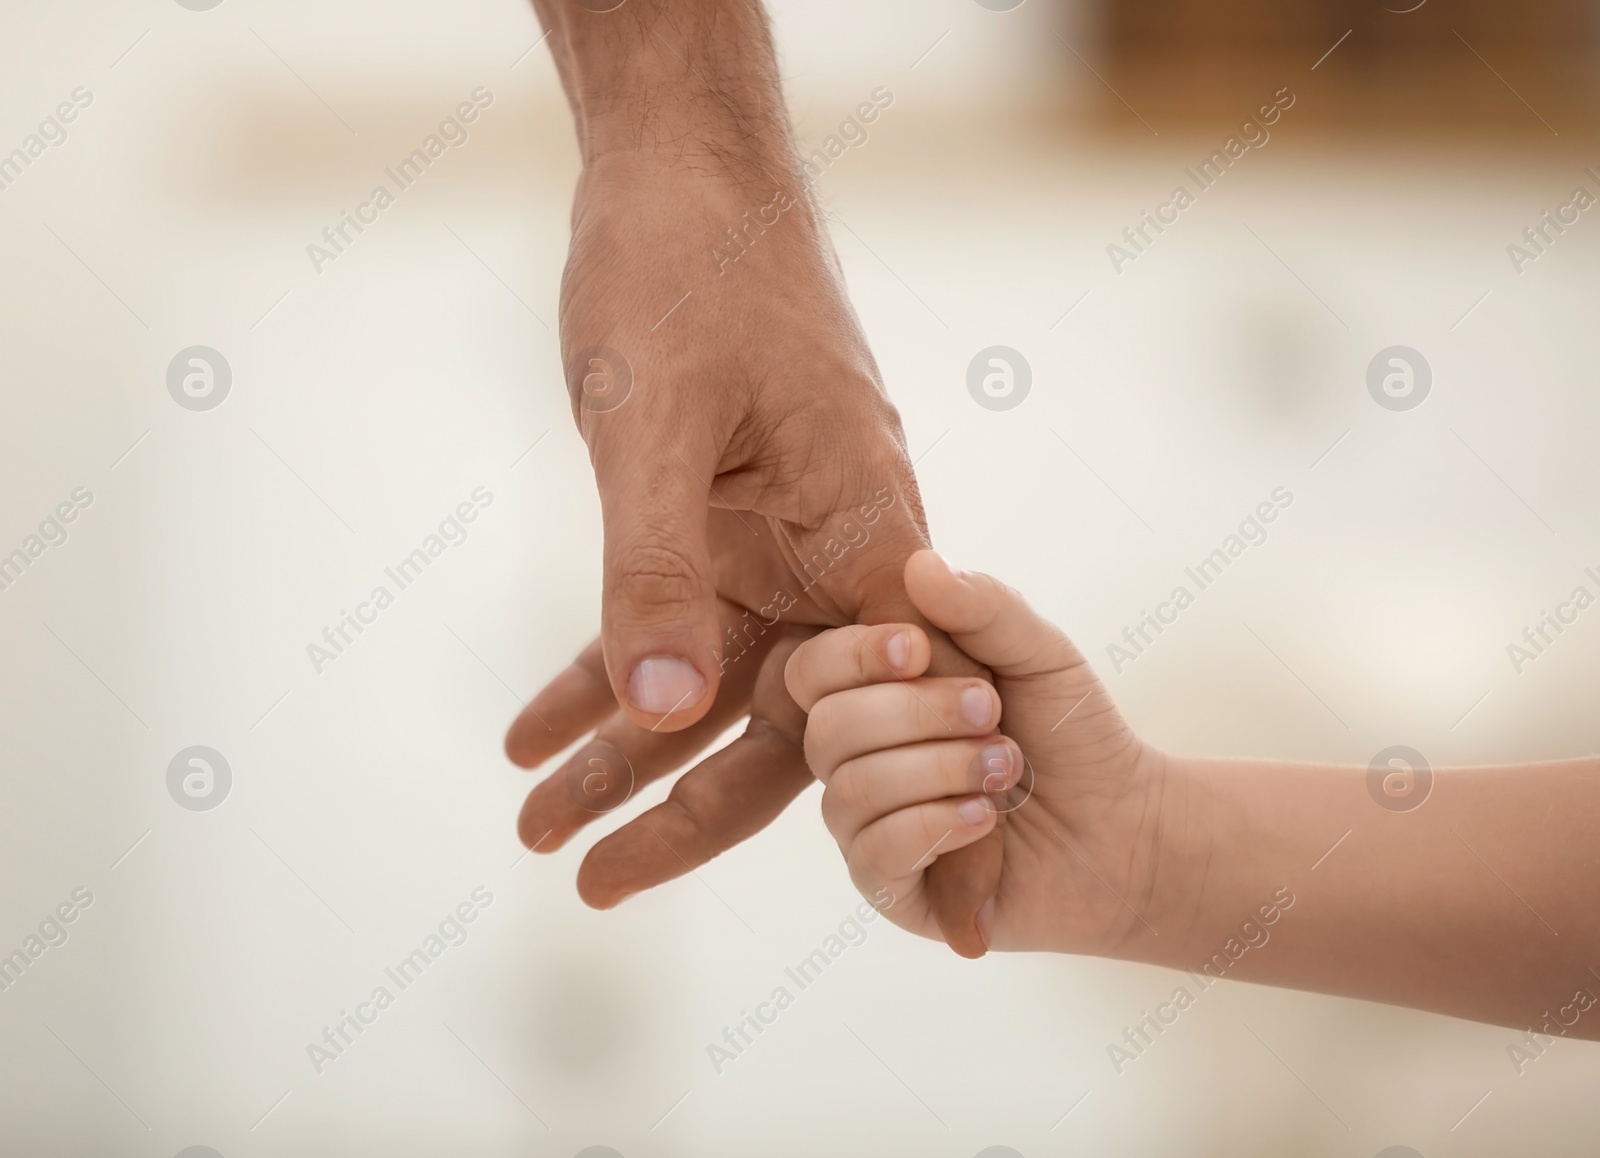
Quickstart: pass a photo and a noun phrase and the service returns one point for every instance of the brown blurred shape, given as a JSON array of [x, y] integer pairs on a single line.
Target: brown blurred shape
[[1185, 62]]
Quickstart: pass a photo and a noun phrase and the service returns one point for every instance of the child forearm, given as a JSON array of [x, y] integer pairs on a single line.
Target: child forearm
[[1481, 902]]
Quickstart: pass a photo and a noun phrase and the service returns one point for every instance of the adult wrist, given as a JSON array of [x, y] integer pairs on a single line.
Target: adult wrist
[[681, 81]]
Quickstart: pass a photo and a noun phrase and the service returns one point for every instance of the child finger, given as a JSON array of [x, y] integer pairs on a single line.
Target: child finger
[[854, 656], [894, 851], [852, 723], [869, 787]]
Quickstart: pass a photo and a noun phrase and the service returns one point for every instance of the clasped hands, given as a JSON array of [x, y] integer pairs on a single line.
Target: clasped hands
[[755, 487], [766, 557]]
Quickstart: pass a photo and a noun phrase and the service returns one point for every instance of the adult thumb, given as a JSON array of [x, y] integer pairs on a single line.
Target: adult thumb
[[659, 624]]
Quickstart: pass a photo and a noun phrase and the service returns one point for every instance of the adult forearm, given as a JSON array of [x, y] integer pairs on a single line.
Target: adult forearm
[[1482, 902], [681, 80]]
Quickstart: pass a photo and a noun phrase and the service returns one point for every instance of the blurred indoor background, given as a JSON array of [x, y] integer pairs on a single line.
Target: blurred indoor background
[[1171, 392]]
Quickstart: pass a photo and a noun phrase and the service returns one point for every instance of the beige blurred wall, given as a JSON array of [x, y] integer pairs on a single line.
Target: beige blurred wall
[[370, 799]]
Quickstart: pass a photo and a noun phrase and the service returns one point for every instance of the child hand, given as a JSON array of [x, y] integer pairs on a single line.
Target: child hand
[[915, 768], [1103, 841]]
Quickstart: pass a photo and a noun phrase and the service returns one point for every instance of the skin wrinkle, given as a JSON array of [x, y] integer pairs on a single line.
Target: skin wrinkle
[[760, 724], [781, 479], [1151, 796], [830, 493], [1204, 872], [1208, 853], [866, 573]]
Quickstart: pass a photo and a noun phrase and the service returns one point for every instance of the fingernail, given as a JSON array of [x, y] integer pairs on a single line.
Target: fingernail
[[973, 811], [898, 650], [985, 922], [995, 760], [662, 684], [977, 706]]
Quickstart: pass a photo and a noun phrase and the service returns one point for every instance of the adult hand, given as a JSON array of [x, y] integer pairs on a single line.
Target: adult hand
[[753, 476]]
